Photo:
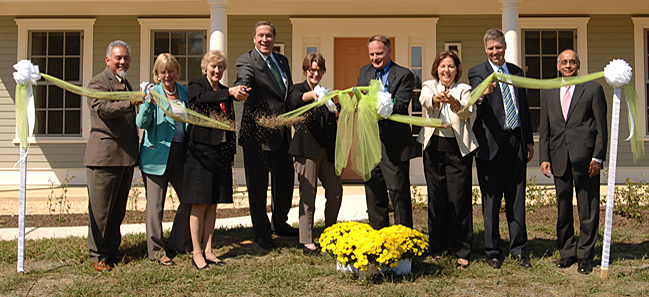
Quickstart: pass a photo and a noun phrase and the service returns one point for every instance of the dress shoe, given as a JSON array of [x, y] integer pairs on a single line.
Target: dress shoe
[[265, 242], [566, 262], [217, 263], [287, 230], [495, 262], [101, 266], [310, 252], [584, 266], [522, 260], [120, 258], [199, 268], [165, 261]]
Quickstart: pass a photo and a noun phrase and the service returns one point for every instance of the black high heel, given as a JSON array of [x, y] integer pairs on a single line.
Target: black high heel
[[199, 268], [219, 263]]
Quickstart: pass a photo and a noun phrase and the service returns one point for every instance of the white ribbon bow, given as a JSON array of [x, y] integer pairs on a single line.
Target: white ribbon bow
[[385, 104], [617, 74], [145, 87], [321, 92]]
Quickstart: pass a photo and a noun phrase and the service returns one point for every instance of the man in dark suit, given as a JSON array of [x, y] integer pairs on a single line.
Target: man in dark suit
[[504, 131], [111, 154], [266, 150], [397, 144], [572, 144]]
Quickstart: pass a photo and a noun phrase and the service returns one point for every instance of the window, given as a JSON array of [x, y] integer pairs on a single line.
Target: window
[[541, 48], [187, 46], [57, 53], [62, 48], [416, 66]]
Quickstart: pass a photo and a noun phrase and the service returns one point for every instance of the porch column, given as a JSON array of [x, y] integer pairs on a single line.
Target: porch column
[[512, 31], [219, 28]]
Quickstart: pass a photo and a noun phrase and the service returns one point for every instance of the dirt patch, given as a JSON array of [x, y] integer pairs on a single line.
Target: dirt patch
[[81, 219]]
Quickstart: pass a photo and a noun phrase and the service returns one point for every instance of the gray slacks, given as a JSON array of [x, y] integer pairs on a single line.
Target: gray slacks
[[156, 192], [308, 172]]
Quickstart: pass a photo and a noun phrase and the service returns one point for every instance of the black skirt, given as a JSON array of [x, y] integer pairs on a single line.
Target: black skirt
[[208, 174]]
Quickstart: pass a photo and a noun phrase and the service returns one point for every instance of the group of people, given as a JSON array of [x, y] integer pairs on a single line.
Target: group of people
[[198, 161]]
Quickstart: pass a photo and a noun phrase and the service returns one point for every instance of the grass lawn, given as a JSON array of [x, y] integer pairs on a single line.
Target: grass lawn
[[61, 267]]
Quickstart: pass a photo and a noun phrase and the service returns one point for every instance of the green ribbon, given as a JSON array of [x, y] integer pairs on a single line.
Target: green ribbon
[[22, 123], [192, 117]]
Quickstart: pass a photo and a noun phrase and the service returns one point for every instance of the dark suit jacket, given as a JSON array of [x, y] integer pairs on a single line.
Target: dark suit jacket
[[203, 99], [265, 99], [580, 138], [397, 137], [113, 139], [316, 132], [490, 117]]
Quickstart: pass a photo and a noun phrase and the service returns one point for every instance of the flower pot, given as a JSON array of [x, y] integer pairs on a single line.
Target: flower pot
[[363, 275], [349, 268], [404, 267]]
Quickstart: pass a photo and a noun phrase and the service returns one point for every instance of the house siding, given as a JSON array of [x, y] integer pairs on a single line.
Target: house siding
[[9, 152]]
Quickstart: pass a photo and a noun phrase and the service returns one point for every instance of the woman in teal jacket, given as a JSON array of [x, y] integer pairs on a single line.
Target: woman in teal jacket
[[162, 158]]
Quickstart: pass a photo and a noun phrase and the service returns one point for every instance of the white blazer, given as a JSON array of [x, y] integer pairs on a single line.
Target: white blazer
[[460, 123]]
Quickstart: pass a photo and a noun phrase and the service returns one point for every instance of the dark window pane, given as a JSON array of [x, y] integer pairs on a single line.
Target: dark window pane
[[39, 43], [417, 73], [533, 97], [415, 55], [55, 67], [566, 40], [55, 97], [41, 120], [160, 43], [40, 97], [178, 43], [72, 122], [549, 45], [532, 42], [193, 68], [549, 67], [73, 43], [532, 67], [196, 42], [55, 44], [535, 115], [72, 69], [40, 62], [55, 122], [72, 100]]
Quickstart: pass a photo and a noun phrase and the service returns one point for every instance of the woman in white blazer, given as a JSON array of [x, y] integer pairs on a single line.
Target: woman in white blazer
[[448, 159]]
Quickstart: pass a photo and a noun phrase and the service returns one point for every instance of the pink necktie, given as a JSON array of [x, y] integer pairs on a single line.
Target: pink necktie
[[565, 103]]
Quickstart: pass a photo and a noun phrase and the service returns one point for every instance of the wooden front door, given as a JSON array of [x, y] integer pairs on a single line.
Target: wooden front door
[[350, 54]]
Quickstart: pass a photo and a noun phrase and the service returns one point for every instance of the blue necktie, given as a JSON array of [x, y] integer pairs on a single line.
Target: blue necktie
[[510, 109]]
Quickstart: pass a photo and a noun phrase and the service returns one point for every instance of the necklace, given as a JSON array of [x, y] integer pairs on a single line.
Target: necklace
[[170, 93]]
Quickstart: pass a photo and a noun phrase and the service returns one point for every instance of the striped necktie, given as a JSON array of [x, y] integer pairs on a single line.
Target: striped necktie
[[510, 109], [276, 74]]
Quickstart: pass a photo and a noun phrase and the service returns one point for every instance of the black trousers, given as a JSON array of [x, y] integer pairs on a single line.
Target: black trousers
[[587, 189], [450, 216], [258, 163], [504, 175], [393, 177]]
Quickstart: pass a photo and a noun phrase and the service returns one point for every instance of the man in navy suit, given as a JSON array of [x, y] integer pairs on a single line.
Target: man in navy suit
[[397, 144], [266, 150], [572, 146], [504, 132]]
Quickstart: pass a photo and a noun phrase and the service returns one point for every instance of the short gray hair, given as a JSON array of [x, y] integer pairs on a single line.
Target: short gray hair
[[117, 43], [563, 51], [494, 34]]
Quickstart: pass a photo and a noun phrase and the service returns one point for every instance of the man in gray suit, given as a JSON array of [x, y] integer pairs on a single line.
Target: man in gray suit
[[397, 144], [264, 149], [111, 154], [572, 144]]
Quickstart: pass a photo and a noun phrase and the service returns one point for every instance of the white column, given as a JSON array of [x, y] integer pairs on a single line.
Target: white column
[[219, 29], [512, 31]]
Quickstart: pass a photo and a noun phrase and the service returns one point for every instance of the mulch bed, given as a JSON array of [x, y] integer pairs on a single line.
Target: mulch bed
[[131, 217]]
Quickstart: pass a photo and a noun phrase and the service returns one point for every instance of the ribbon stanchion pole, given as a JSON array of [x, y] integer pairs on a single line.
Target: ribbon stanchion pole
[[21, 210], [610, 195]]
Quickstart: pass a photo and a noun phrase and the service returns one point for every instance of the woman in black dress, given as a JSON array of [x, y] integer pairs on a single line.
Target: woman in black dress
[[210, 155]]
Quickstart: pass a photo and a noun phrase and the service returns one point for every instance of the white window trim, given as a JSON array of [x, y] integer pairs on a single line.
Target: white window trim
[[639, 25], [87, 26], [147, 25], [579, 23]]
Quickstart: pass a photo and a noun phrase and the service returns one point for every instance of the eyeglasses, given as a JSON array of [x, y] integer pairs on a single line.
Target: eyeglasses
[[571, 62], [314, 71]]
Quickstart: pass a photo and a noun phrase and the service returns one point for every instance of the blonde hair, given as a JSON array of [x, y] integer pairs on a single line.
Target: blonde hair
[[214, 56], [164, 61]]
